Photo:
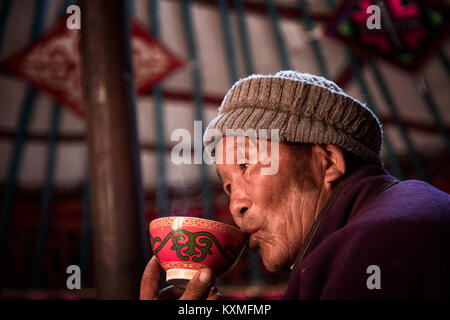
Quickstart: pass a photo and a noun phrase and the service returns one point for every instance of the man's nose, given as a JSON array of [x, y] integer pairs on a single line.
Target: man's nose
[[239, 204]]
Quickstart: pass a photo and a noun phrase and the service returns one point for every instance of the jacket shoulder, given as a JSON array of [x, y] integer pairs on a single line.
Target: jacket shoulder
[[409, 203]]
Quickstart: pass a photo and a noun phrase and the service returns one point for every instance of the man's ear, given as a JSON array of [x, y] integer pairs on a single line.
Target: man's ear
[[335, 163]]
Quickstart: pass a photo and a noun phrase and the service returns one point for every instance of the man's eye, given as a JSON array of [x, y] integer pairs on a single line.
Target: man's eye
[[228, 189], [244, 166]]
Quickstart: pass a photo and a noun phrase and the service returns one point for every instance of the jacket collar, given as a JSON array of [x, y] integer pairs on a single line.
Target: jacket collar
[[346, 200]]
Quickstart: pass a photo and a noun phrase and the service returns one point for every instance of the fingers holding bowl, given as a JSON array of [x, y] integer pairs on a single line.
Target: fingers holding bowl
[[150, 280], [200, 286]]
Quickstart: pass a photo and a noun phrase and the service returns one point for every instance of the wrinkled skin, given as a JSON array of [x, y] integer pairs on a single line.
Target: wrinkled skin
[[277, 210]]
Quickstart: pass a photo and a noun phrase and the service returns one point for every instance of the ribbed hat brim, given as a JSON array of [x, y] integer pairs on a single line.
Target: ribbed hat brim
[[292, 128]]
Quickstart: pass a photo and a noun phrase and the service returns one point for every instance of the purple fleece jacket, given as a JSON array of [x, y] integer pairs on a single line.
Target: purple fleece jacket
[[404, 230]]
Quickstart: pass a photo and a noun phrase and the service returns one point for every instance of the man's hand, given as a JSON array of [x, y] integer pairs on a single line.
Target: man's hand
[[201, 285]]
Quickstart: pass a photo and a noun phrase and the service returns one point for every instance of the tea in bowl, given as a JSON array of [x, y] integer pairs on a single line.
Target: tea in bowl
[[183, 245]]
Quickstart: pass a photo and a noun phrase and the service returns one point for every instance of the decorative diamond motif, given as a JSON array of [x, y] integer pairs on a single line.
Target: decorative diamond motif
[[411, 30], [52, 63]]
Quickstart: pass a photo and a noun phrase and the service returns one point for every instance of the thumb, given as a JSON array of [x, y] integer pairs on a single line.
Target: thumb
[[199, 286]]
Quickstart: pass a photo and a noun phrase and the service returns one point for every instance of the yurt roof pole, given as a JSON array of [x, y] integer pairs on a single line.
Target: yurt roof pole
[[48, 185], [130, 7], [22, 128], [85, 242], [4, 11], [162, 193], [46, 198], [314, 41], [424, 91], [119, 235], [245, 42], [331, 3], [393, 108], [228, 38], [392, 157], [197, 90], [443, 58], [272, 10], [430, 102]]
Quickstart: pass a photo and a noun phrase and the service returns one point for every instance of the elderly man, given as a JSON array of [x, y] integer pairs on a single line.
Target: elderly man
[[331, 213]]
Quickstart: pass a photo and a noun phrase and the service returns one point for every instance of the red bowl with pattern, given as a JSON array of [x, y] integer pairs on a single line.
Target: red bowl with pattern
[[183, 245]]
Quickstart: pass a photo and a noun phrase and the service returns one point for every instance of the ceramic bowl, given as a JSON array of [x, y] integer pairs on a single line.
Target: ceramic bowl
[[183, 245]]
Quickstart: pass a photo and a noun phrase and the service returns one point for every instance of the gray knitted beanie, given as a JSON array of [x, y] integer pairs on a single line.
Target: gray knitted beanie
[[305, 108]]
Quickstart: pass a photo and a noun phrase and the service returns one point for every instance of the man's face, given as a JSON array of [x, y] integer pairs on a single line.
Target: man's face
[[276, 210]]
